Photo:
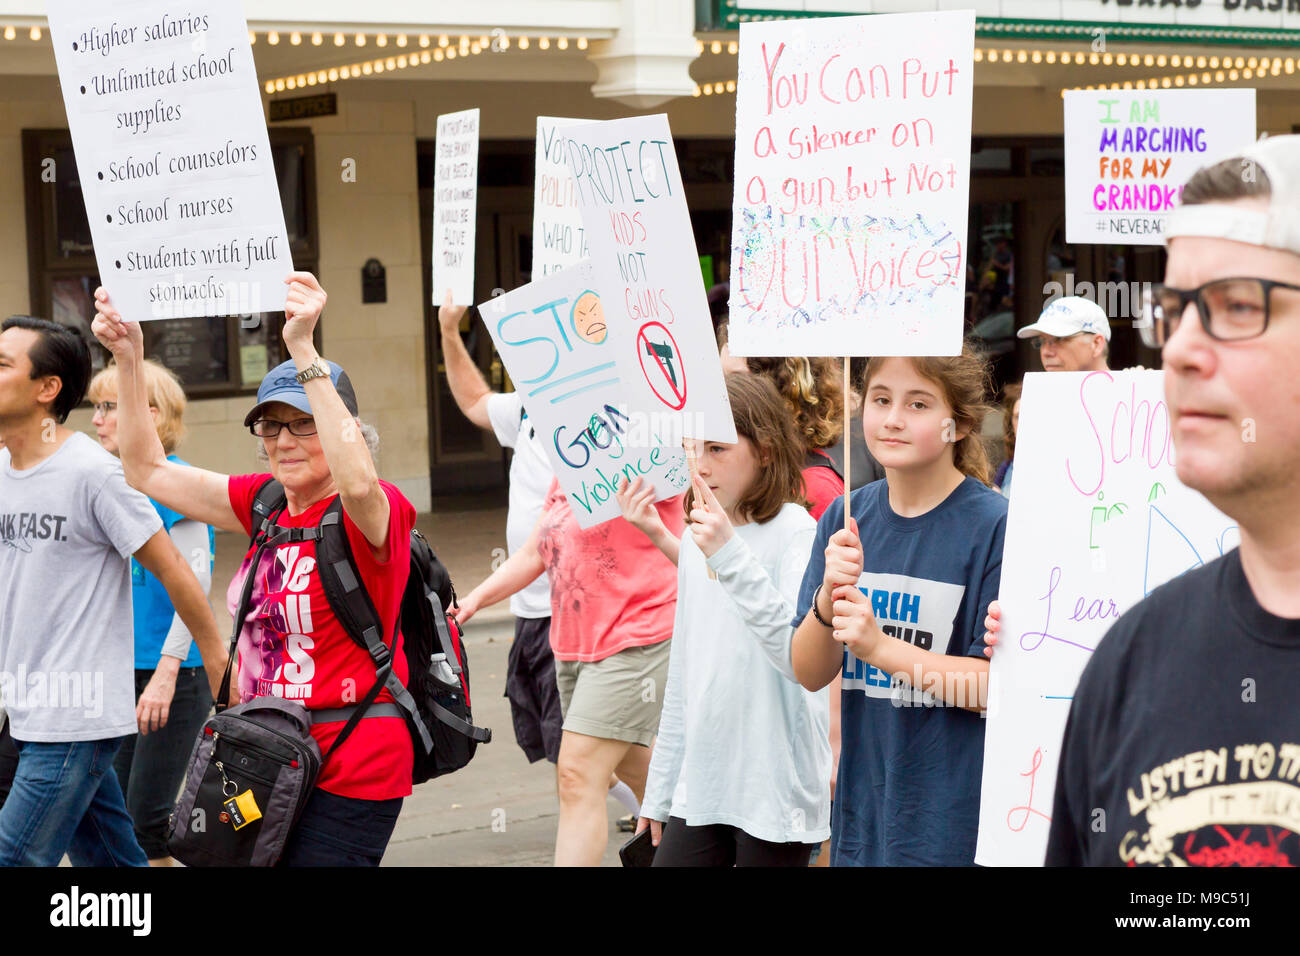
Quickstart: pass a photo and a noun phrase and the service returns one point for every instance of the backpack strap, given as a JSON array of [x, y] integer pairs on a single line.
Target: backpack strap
[[341, 582]]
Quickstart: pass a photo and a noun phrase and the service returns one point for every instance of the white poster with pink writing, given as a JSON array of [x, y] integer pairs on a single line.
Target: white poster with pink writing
[[1098, 520], [643, 256], [852, 174], [1128, 154]]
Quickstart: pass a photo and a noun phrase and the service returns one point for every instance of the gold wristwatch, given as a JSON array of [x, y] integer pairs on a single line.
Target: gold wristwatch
[[317, 369]]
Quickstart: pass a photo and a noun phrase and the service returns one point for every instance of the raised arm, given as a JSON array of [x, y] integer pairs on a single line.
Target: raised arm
[[464, 377], [638, 506], [350, 464], [193, 492]]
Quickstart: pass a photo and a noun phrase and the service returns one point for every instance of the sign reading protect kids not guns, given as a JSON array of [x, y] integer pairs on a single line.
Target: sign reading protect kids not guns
[[172, 153], [1095, 452], [639, 231], [1128, 154], [852, 175], [560, 347]]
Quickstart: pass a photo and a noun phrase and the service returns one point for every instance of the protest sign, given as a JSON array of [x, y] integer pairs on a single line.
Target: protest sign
[[633, 206], [455, 206], [556, 341], [852, 175], [1098, 520], [1128, 154], [559, 237], [172, 152]]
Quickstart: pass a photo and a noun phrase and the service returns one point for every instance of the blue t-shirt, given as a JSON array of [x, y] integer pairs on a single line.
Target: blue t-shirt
[[152, 608], [908, 790]]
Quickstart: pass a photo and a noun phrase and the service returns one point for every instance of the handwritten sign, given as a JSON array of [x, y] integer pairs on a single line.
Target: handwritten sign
[[1128, 154], [852, 174], [176, 173], [559, 237], [1098, 520], [629, 190], [557, 343], [455, 206]]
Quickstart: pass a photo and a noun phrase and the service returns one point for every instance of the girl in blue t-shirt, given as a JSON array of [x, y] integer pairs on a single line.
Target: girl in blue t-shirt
[[896, 610]]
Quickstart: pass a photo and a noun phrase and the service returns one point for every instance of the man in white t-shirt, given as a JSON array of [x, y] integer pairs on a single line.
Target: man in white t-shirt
[[69, 526], [530, 673]]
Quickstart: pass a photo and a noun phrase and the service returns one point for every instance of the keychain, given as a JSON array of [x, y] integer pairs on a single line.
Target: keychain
[[239, 810]]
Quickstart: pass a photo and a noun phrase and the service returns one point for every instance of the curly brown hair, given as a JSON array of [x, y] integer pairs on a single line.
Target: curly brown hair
[[762, 417], [965, 382], [811, 389]]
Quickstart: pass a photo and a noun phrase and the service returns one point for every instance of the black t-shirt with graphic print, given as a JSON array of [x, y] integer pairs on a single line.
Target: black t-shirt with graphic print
[[1183, 742]]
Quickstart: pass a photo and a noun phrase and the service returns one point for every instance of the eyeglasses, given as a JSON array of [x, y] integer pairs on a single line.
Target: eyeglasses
[[1231, 310], [1042, 341], [270, 428], [103, 408]]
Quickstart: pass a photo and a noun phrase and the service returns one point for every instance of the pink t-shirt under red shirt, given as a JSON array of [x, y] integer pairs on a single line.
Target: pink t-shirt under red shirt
[[297, 649], [611, 589]]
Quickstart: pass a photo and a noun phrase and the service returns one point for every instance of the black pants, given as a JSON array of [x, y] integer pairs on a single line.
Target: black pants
[[150, 767], [720, 845], [530, 686], [341, 831]]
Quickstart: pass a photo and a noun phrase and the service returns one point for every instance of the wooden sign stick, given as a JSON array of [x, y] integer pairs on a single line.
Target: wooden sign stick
[[848, 431]]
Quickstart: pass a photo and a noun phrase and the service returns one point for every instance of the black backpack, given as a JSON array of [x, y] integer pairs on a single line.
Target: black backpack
[[435, 702]]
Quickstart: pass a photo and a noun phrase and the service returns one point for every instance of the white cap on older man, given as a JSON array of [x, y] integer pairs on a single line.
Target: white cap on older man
[[1069, 315]]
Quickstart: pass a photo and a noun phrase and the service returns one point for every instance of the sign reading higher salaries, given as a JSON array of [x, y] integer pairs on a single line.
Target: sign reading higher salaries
[[852, 175], [559, 237], [175, 165], [1095, 453], [629, 190], [455, 206], [556, 341], [1128, 154]]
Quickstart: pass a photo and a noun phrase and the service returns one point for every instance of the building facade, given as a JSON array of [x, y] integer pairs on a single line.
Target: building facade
[[352, 95]]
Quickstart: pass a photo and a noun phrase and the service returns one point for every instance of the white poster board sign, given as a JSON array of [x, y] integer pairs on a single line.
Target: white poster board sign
[[633, 206], [559, 237], [554, 337], [852, 176], [455, 206], [166, 120], [1098, 520], [1128, 154]]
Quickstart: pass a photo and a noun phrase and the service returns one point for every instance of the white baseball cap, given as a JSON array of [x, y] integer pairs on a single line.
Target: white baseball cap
[[1069, 315], [1276, 226]]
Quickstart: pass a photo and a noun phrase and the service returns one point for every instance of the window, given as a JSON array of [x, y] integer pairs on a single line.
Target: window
[[211, 356]]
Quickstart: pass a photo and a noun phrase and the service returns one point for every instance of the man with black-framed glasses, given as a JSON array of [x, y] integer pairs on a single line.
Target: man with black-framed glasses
[[1183, 741], [1071, 335]]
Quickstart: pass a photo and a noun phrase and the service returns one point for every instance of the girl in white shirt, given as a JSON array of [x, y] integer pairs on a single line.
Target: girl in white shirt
[[741, 767]]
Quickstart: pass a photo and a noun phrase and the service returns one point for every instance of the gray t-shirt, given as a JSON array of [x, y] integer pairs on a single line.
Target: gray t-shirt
[[68, 528]]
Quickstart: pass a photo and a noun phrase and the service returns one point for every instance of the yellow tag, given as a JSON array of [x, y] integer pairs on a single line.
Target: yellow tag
[[243, 809]]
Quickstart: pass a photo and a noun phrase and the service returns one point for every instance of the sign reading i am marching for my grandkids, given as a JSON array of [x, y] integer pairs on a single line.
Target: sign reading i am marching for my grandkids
[[1128, 154], [559, 237], [852, 175], [1095, 452], [559, 346], [455, 206], [638, 228], [165, 112]]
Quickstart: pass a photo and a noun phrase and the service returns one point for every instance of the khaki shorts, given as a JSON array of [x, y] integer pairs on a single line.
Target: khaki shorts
[[618, 698]]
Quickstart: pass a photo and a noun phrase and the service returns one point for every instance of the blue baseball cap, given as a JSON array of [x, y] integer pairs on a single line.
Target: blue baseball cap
[[281, 385]]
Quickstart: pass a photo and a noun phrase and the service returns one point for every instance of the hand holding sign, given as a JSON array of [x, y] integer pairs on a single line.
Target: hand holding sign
[[450, 315], [636, 498], [843, 560], [992, 624], [302, 308], [853, 624], [710, 526], [123, 339]]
